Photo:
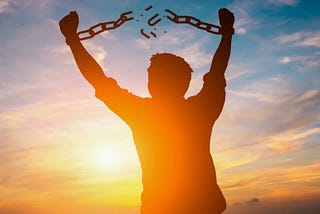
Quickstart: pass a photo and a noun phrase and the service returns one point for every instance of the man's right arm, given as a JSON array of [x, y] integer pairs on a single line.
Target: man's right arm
[[119, 100], [87, 65]]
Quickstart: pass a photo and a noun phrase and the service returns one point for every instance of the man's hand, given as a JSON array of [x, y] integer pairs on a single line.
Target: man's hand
[[69, 25], [226, 18]]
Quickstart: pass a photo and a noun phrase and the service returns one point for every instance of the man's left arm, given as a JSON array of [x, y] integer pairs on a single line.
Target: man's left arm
[[211, 98], [221, 57]]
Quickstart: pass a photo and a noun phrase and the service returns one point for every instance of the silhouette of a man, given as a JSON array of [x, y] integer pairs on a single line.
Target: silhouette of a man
[[171, 133]]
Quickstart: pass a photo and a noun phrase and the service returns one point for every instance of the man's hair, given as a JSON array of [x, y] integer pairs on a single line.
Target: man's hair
[[170, 62], [170, 71]]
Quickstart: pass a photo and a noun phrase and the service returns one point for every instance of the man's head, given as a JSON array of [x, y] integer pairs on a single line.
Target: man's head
[[168, 76]]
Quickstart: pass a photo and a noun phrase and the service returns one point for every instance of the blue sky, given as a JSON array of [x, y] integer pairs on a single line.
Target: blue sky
[[265, 144]]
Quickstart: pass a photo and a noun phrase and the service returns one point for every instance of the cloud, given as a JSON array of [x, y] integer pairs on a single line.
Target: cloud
[[283, 2], [304, 63], [42, 114], [295, 136], [285, 92], [290, 178], [277, 205], [143, 44], [39, 4], [38, 180], [63, 52], [262, 97], [280, 175], [241, 31], [286, 60], [67, 204], [108, 35], [309, 95], [263, 91], [289, 38], [267, 118], [17, 208], [311, 39], [98, 52], [195, 55], [276, 102], [30, 7], [243, 19], [4, 6], [175, 37], [291, 139], [252, 201], [242, 182], [236, 70], [289, 59], [301, 38]]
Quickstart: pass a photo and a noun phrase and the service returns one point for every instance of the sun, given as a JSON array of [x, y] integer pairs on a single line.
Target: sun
[[111, 159], [106, 158]]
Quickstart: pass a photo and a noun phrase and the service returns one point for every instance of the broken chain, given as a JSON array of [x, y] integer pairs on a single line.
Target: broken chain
[[110, 25], [151, 22], [101, 27], [211, 28]]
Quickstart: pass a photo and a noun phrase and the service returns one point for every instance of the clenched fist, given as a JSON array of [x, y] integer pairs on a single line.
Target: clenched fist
[[69, 25], [226, 21]]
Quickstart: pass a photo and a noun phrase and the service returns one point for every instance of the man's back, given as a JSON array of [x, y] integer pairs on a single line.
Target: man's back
[[174, 150], [173, 144]]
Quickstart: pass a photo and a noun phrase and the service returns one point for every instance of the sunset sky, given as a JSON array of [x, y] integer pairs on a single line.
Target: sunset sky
[[63, 151]]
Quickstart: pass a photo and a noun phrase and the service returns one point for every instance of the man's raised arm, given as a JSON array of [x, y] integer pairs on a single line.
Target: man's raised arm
[[221, 57], [212, 95], [87, 65]]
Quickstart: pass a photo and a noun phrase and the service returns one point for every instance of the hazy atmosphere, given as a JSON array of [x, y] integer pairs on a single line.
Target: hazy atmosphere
[[63, 151]]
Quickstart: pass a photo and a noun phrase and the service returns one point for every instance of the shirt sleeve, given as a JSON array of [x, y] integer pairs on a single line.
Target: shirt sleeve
[[211, 98], [123, 103]]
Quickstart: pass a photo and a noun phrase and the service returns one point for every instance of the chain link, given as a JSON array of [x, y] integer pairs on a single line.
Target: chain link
[[104, 26], [211, 28]]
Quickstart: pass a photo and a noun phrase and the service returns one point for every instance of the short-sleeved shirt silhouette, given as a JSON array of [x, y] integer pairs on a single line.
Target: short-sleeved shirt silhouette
[[173, 145]]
